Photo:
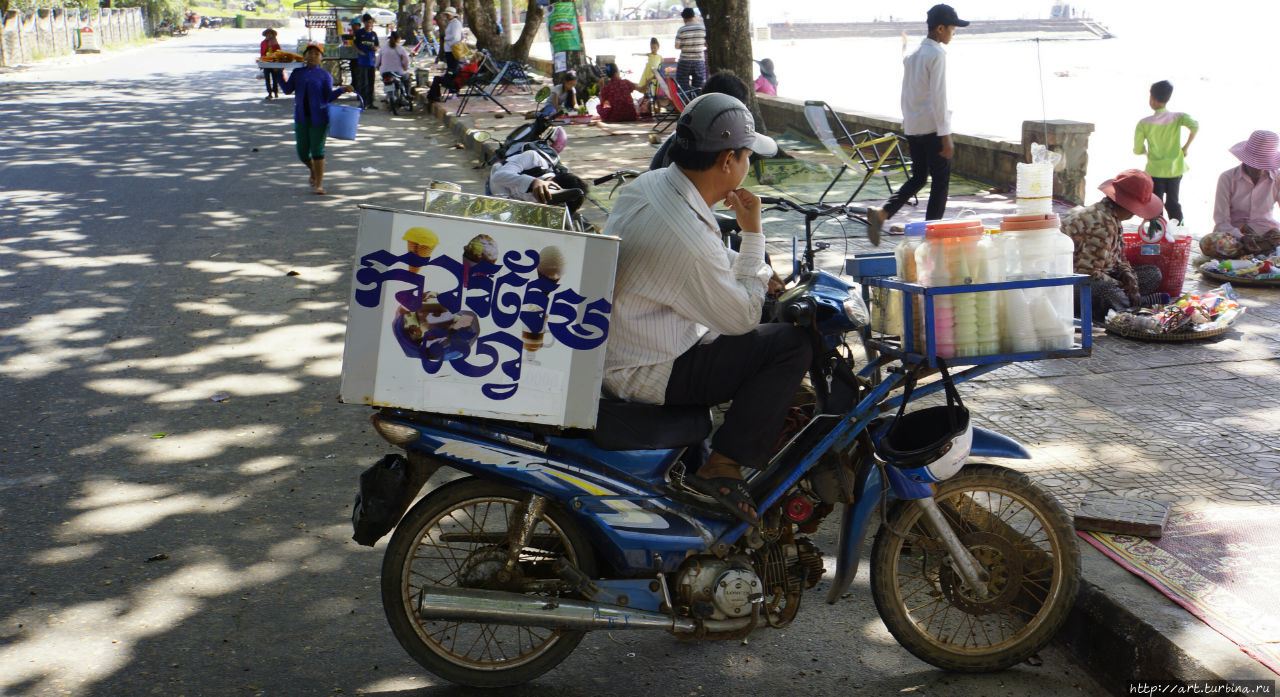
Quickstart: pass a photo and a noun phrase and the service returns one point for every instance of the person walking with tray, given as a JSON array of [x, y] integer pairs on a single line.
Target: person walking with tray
[[312, 89], [274, 76], [926, 121]]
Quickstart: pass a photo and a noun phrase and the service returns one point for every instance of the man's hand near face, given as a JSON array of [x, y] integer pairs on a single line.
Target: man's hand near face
[[746, 206]]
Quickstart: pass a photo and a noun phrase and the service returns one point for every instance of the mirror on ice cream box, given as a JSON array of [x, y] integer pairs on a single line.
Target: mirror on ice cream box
[[478, 316]]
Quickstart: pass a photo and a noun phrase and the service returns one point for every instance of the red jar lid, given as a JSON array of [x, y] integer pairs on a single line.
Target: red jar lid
[[954, 228], [1029, 222]]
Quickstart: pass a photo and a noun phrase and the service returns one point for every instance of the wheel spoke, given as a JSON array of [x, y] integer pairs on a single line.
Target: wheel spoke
[[459, 542]]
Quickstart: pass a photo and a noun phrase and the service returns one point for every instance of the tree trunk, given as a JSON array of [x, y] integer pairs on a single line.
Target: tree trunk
[[532, 22], [506, 18], [729, 42], [483, 23]]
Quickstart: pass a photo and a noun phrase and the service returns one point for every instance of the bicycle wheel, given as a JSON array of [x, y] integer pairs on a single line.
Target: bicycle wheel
[[1020, 536], [452, 537]]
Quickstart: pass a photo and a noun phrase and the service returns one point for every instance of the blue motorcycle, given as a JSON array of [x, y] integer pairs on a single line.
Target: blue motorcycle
[[492, 579]]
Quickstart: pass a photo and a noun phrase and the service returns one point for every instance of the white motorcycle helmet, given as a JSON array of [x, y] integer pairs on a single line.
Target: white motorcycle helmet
[[931, 444]]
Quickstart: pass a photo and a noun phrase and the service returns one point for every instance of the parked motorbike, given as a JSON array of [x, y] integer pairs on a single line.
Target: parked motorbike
[[493, 579], [398, 91]]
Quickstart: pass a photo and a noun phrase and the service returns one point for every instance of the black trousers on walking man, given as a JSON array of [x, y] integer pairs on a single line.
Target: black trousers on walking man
[[927, 163]]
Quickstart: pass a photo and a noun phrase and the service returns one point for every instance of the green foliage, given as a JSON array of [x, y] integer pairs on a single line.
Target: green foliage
[[27, 5]]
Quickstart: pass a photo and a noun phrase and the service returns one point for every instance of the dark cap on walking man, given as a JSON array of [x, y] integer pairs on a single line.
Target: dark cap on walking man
[[945, 16]]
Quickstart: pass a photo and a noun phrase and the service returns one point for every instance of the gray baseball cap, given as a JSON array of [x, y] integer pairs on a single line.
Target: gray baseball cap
[[717, 122]]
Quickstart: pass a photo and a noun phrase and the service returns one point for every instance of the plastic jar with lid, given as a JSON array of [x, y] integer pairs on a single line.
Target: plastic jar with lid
[[905, 256], [948, 257], [1035, 247]]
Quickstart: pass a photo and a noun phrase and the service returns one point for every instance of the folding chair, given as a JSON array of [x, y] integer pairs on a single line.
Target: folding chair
[[518, 77], [878, 154], [486, 88], [678, 99]]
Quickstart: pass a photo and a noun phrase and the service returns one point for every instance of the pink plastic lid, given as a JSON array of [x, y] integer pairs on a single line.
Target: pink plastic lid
[[1029, 222], [954, 228]]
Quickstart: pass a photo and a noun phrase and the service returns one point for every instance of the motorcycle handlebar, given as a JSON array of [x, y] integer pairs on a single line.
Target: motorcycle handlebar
[[812, 209], [565, 196], [622, 173]]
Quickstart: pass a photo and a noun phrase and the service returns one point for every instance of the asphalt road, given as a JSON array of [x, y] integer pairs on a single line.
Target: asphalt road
[[159, 246]]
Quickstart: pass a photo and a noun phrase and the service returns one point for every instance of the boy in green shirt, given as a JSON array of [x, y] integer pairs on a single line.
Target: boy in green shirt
[[1159, 137]]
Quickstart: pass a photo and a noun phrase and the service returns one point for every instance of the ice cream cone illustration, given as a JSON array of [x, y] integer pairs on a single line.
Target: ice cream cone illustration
[[480, 248], [421, 242], [551, 264]]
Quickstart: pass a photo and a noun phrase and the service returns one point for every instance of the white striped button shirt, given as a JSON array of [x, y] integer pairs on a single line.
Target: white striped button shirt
[[675, 281]]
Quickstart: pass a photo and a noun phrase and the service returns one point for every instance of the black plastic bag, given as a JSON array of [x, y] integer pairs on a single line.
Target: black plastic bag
[[381, 500]]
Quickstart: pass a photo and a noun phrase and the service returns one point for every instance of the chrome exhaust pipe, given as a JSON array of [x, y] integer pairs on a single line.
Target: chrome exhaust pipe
[[501, 607]]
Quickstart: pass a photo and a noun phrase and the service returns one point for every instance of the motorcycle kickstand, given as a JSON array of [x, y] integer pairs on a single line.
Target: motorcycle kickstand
[[527, 516], [970, 570]]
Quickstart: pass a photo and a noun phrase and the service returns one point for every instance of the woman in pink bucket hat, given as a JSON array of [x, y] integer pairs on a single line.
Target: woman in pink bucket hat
[[1099, 241], [1244, 223]]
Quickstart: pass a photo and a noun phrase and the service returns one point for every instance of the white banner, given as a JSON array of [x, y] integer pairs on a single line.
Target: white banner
[[463, 316]]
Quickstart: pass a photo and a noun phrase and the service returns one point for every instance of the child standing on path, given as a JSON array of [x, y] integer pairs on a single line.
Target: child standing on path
[[1159, 137], [926, 121]]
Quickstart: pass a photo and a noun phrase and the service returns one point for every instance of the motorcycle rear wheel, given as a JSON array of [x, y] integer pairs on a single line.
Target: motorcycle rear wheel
[[430, 546], [1018, 533]]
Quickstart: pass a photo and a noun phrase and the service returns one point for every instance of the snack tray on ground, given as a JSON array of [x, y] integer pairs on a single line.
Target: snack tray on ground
[[577, 119], [1246, 272], [1189, 318], [877, 269], [269, 65]]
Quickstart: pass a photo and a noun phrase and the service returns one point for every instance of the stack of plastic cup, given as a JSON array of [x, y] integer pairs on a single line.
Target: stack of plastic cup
[[943, 259], [1035, 188], [1018, 330], [965, 304]]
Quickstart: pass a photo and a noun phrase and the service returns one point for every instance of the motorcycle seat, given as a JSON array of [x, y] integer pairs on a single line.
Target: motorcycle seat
[[633, 426]]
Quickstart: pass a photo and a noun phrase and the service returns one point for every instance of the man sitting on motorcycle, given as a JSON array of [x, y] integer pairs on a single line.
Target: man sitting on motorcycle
[[393, 62], [533, 174], [685, 325]]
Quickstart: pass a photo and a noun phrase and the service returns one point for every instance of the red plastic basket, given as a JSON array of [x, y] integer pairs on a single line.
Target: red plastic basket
[[1170, 257]]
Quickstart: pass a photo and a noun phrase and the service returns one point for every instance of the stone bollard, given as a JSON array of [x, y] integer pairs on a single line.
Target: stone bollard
[[1071, 140]]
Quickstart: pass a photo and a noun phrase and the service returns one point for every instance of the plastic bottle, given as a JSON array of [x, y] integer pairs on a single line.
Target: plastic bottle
[[905, 255], [1034, 248], [946, 257]]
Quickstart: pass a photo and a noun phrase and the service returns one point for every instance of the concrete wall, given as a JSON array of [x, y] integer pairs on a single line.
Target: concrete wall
[[43, 33], [984, 159]]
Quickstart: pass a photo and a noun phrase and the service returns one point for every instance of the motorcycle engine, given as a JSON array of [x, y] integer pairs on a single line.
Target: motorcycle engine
[[718, 589]]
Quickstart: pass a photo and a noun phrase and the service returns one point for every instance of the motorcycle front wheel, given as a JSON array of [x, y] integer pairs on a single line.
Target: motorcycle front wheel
[[1019, 535], [454, 532]]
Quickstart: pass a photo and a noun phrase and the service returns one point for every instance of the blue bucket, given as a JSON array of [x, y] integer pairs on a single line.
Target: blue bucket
[[343, 121]]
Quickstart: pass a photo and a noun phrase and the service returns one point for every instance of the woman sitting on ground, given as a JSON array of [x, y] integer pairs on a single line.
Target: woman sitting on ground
[[1244, 222], [1099, 243], [616, 103], [564, 96]]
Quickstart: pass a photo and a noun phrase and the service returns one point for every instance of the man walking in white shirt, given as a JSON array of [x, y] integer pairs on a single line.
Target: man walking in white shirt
[[926, 121], [685, 328]]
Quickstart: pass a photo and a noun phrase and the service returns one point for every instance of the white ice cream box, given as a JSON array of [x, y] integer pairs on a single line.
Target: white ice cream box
[[479, 306]]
